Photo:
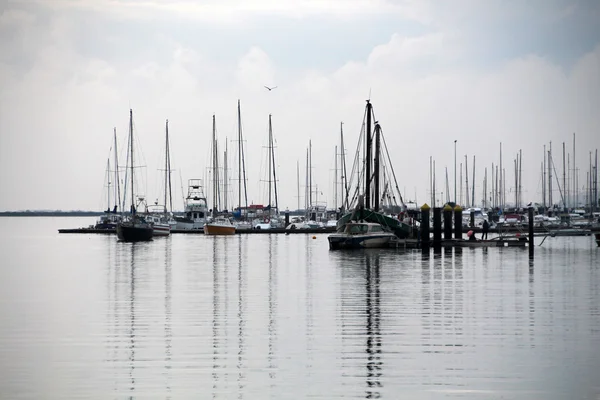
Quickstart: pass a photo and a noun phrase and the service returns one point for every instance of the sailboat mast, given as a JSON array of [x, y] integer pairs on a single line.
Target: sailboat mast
[[343, 165], [376, 165], [108, 184], [225, 177], [269, 161], [310, 191], [467, 182], [169, 170], [335, 178], [131, 157], [473, 185], [239, 156], [298, 181], [118, 197], [306, 186], [215, 167], [273, 159], [166, 161], [368, 157]]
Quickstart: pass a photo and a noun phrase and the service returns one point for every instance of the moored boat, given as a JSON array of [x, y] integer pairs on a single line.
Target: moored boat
[[357, 235], [219, 226], [135, 228], [196, 208]]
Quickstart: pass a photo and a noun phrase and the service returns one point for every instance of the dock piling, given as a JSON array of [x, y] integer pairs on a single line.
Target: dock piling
[[437, 227], [425, 209], [447, 222], [457, 222]]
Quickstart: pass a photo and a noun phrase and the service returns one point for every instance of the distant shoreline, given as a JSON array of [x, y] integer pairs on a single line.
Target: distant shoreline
[[50, 213]]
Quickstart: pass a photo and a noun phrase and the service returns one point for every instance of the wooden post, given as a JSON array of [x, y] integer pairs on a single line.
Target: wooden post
[[437, 227], [425, 226], [447, 222], [457, 222]]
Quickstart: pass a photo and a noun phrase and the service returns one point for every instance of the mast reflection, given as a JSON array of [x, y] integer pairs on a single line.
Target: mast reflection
[[373, 310], [168, 330]]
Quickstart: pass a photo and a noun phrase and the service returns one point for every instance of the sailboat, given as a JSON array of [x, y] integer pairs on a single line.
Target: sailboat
[[111, 218], [241, 213], [367, 225], [158, 215], [268, 216], [135, 228], [220, 225]]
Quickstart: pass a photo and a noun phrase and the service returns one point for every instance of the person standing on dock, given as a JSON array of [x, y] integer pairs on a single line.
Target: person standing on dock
[[485, 229]]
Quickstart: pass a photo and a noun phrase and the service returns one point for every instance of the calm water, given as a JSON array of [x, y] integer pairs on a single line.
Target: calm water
[[282, 317]]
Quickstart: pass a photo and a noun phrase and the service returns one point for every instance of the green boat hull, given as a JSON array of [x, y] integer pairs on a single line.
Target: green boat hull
[[400, 229]]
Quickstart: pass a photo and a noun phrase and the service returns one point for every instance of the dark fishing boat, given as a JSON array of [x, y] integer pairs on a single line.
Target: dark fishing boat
[[378, 184], [135, 228]]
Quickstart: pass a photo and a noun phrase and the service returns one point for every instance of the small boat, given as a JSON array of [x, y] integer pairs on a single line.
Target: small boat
[[219, 226], [358, 235], [135, 228]]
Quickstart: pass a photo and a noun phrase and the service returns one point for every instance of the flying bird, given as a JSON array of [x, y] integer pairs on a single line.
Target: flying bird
[[270, 88]]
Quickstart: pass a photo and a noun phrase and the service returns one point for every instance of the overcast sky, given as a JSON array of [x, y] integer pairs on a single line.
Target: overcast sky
[[479, 72]]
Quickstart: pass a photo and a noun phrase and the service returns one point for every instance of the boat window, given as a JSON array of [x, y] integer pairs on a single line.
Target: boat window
[[355, 229], [376, 228]]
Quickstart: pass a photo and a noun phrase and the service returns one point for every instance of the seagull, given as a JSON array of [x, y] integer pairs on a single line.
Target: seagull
[[270, 88]]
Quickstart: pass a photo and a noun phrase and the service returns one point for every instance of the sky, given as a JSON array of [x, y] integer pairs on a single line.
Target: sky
[[523, 74]]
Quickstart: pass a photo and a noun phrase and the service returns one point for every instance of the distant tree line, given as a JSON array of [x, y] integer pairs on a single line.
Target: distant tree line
[[54, 213]]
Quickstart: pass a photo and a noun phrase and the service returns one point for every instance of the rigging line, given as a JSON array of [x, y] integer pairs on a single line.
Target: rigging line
[[393, 173]]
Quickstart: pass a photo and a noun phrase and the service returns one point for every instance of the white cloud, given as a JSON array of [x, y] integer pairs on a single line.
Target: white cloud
[[57, 112]]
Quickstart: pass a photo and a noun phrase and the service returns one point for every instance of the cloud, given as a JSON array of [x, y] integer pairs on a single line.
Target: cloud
[[64, 88]]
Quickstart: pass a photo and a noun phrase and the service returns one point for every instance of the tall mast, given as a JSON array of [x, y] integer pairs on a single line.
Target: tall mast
[[520, 175], [544, 188], [269, 160], [108, 184], [564, 179], [335, 178], [131, 156], [225, 176], [467, 181], [215, 166], [306, 186], [447, 187], [501, 189], [575, 195], [473, 185], [368, 158], [239, 156], [273, 160], [169, 169], [298, 181], [550, 162], [343, 164], [118, 197], [376, 163], [166, 161], [431, 180], [310, 202], [484, 201]]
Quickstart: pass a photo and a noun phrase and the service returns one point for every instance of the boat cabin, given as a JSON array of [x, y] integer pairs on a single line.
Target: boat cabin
[[361, 228]]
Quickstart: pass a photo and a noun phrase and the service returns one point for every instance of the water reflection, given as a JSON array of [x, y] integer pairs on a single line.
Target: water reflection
[[272, 311], [373, 310], [240, 315], [168, 329]]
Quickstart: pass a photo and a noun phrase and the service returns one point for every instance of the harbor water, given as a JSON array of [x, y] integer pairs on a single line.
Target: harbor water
[[283, 317]]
